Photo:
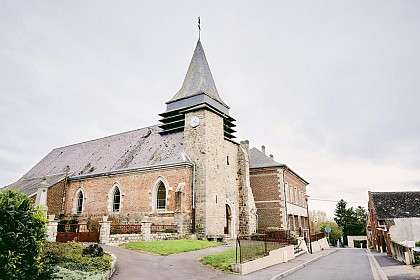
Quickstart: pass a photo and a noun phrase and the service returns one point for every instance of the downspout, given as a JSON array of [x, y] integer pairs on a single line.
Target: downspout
[[193, 193], [285, 201], [63, 199]]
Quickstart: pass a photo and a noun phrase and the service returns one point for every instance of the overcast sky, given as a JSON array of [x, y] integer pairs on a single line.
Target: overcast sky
[[331, 88]]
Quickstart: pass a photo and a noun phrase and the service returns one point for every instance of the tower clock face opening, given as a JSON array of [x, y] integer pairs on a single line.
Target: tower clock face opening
[[194, 121]]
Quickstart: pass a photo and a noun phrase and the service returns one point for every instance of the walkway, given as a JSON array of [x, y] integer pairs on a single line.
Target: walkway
[[396, 270]]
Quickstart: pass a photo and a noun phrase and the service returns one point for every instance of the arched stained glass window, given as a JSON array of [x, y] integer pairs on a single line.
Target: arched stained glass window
[[161, 196], [116, 203]]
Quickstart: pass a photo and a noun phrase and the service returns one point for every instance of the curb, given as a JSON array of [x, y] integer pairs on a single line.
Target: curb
[[377, 271], [296, 268], [108, 274]]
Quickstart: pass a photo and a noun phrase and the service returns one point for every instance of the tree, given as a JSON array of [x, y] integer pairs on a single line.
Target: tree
[[352, 221], [22, 230], [336, 231], [317, 217]]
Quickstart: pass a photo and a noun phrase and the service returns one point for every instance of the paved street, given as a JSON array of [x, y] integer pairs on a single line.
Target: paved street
[[346, 264], [329, 264]]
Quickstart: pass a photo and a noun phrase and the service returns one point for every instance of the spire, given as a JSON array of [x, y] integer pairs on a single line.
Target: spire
[[198, 79]]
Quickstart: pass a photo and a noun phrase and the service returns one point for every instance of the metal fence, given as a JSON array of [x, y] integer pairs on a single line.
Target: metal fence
[[126, 229], [77, 232], [317, 236], [259, 245], [161, 228]]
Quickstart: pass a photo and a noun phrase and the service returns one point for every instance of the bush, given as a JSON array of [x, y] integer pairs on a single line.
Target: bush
[[73, 256], [22, 234], [93, 250]]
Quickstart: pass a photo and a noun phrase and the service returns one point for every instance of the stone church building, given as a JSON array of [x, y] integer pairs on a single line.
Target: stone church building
[[188, 170]]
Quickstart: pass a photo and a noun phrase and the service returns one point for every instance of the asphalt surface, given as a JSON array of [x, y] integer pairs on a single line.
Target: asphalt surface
[[133, 265], [329, 264], [346, 264]]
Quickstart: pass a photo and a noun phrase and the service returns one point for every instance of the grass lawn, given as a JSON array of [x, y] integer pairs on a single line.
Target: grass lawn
[[168, 247], [221, 260]]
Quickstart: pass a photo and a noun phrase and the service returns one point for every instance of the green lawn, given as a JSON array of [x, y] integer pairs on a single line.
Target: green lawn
[[168, 247], [221, 260]]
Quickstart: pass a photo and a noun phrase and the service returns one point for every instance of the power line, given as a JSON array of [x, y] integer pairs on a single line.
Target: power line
[[328, 200]]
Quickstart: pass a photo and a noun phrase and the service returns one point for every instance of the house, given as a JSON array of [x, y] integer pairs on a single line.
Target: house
[[279, 193], [393, 216], [186, 171]]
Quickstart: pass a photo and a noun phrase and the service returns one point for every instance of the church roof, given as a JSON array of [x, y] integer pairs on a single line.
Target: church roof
[[198, 79], [133, 149], [390, 205]]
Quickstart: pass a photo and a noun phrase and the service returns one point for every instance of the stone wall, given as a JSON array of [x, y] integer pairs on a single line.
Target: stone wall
[[217, 168], [247, 208]]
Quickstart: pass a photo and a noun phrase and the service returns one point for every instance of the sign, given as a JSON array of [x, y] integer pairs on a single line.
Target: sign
[[327, 229]]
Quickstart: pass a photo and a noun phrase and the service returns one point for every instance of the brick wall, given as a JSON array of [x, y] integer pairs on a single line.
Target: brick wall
[[137, 190], [266, 187]]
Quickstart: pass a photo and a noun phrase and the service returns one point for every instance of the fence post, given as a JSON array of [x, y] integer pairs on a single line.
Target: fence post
[[104, 231], [52, 228], [146, 227]]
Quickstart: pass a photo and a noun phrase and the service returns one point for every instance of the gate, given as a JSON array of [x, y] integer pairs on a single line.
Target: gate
[[78, 233]]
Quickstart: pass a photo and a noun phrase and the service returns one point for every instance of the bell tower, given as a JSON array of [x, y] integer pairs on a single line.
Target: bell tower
[[198, 111]]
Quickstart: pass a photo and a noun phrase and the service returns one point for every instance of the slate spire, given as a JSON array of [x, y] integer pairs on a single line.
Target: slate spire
[[198, 79]]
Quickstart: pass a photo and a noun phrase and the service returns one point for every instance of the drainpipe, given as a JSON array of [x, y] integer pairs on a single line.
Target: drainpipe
[[63, 199], [193, 192], [285, 200]]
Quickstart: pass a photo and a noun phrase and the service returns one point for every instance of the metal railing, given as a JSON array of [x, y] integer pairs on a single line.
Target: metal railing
[[259, 245], [161, 228], [317, 236], [126, 229]]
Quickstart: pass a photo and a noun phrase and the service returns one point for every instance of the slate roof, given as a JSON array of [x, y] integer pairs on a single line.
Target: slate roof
[[30, 185], [258, 159], [133, 149], [198, 79], [389, 205]]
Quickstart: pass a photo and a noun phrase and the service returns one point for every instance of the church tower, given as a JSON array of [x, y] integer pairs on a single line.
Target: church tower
[[198, 111]]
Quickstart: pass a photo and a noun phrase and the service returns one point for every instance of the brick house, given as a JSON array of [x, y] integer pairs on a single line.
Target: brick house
[[187, 171], [279, 193], [393, 216]]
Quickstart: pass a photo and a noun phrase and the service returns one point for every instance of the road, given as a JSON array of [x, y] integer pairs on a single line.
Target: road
[[346, 264]]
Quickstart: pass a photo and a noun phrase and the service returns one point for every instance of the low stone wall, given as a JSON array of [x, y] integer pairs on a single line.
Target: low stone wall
[[274, 257], [320, 245], [118, 238]]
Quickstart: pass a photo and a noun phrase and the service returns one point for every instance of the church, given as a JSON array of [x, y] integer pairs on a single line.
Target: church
[[187, 171]]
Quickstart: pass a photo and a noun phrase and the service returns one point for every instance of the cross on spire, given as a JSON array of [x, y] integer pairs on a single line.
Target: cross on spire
[[199, 28]]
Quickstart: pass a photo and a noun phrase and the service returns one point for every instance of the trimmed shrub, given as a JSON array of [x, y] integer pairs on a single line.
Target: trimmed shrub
[[93, 250], [23, 231]]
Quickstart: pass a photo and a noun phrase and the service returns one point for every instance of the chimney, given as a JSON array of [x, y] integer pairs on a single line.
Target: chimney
[[271, 156], [263, 149], [245, 145]]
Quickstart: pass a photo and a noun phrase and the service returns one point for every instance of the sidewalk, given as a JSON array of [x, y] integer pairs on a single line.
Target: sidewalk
[[284, 269], [394, 269]]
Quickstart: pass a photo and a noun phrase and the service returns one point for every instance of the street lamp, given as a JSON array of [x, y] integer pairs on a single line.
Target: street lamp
[[309, 223]]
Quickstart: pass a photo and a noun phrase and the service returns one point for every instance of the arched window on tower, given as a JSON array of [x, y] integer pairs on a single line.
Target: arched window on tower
[[116, 201], [79, 207], [161, 196]]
